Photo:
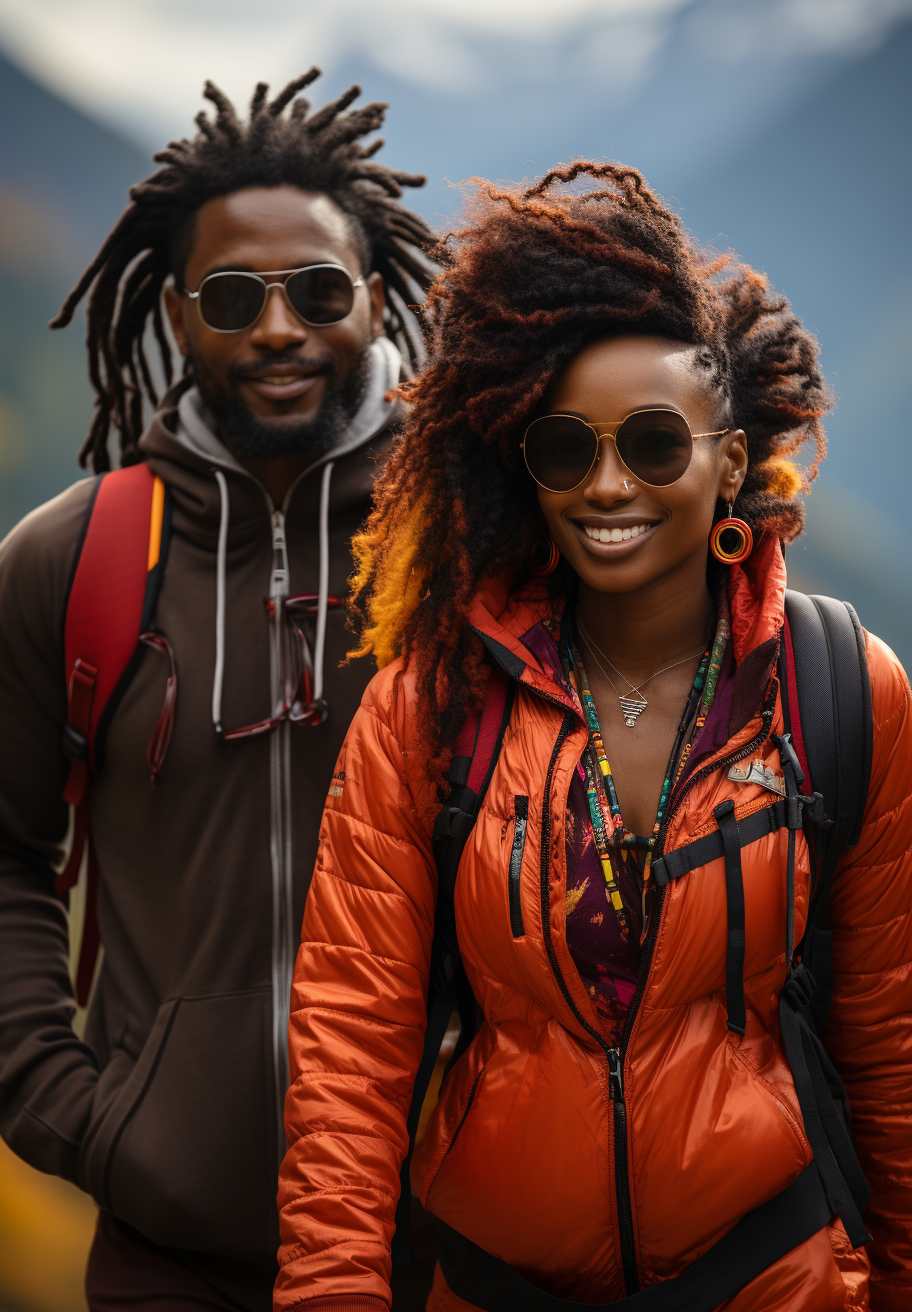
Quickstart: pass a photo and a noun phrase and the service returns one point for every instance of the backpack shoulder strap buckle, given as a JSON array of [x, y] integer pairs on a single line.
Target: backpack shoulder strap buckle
[[75, 745], [453, 822], [814, 810]]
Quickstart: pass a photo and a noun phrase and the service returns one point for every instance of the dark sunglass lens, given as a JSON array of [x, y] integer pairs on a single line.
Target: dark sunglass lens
[[231, 301], [656, 446], [321, 295], [560, 451]]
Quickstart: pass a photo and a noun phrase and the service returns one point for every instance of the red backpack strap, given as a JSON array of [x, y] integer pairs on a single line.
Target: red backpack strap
[[479, 739], [789, 694], [105, 611], [115, 586]]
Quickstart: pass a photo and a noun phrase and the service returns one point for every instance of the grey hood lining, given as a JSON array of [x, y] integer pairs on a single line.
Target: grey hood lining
[[195, 431]]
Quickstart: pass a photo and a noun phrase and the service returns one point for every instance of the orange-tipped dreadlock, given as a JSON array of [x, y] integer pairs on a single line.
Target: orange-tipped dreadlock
[[536, 275]]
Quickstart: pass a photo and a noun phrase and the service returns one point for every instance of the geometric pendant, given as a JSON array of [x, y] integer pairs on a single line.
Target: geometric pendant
[[631, 708]]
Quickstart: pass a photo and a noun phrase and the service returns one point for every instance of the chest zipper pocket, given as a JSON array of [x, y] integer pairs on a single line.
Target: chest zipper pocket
[[521, 824]]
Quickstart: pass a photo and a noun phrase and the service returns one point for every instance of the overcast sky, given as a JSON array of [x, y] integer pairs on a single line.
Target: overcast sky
[[138, 63]]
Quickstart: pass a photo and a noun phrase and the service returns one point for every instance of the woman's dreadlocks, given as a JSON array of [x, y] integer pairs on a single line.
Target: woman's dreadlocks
[[536, 275], [320, 153]]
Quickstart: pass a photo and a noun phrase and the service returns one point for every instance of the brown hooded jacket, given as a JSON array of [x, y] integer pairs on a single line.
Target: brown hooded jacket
[[169, 1112]]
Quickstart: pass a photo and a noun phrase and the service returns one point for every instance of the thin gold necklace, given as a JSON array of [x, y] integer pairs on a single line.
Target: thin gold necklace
[[631, 707]]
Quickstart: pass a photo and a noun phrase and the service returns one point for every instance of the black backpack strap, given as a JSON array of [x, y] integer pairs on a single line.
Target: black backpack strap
[[829, 659], [476, 754], [827, 705], [826, 701]]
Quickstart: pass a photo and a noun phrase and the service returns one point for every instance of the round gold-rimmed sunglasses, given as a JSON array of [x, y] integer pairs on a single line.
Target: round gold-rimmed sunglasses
[[319, 294], [655, 445]]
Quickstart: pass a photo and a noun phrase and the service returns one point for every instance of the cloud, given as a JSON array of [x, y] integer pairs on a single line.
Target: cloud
[[151, 55], [141, 64], [763, 29]]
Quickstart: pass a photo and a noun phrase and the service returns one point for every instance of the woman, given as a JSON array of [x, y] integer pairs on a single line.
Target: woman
[[601, 395]]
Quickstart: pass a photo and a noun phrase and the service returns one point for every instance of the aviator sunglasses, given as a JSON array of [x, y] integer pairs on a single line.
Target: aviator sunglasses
[[319, 294], [656, 447]]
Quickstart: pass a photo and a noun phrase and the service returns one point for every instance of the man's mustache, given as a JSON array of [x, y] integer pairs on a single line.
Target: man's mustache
[[281, 361]]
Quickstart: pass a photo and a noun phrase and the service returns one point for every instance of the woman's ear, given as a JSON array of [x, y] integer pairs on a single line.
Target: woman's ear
[[733, 470]]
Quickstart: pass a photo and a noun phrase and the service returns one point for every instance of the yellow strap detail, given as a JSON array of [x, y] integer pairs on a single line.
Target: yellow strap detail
[[155, 521]]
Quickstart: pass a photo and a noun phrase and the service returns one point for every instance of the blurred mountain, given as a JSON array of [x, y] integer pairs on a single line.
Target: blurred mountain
[[821, 201], [72, 169], [63, 182], [799, 162]]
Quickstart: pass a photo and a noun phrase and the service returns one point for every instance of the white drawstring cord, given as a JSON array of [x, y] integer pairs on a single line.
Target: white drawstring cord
[[323, 594], [220, 601]]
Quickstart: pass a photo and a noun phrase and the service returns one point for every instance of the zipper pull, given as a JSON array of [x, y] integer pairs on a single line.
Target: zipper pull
[[615, 1075], [278, 583]]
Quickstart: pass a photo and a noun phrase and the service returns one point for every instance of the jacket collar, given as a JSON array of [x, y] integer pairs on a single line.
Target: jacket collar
[[502, 614], [756, 594]]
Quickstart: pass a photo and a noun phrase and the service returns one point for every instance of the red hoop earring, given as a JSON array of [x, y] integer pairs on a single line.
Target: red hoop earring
[[544, 557], [745, 539]]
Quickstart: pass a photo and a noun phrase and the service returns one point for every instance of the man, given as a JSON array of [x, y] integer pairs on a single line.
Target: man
[[285, 262]]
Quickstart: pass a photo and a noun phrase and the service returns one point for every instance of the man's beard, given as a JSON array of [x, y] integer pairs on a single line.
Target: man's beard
[[250, 438]]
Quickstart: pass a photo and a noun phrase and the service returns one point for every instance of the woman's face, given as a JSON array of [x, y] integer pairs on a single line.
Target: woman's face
[[606, 382]]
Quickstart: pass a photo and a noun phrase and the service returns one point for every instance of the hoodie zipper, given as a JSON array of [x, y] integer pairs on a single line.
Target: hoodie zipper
[[280, 828], [616, 1057], [284, 939]]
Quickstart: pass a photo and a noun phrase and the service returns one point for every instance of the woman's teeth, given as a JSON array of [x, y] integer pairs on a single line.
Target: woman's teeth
[[615, 534]]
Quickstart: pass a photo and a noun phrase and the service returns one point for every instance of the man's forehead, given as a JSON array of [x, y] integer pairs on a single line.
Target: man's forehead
[[269, 228]]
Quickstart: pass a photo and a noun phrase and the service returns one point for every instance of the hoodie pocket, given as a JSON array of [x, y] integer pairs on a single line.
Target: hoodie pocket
[[186, 1154], [514, 870]]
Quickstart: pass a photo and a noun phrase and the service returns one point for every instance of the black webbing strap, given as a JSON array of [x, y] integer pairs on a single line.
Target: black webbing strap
[[827, 1132], [760, 1238], [703, 850], [734, 897], [439, 1013]]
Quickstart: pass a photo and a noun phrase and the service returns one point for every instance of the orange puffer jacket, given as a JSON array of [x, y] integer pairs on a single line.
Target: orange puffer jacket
[[520, 1153]]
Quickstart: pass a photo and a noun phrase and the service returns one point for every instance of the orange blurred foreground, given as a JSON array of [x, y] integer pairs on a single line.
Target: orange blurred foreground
[[46, 1227]]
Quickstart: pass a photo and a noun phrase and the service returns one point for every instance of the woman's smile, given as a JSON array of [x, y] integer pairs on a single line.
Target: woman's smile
[[610, 536]]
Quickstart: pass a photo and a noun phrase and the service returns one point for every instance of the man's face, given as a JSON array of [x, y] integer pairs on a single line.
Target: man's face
[[279, 387]]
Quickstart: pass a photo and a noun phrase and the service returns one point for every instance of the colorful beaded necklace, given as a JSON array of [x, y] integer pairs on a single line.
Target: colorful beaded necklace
[[615, 844]]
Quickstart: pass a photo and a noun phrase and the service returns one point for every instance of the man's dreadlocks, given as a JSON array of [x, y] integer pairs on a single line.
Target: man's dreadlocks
[[152, 239]]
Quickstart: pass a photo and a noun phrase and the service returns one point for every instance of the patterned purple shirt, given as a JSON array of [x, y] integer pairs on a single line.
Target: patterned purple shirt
[[608, 966]]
